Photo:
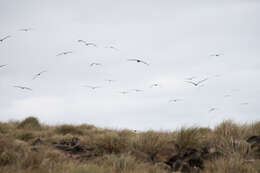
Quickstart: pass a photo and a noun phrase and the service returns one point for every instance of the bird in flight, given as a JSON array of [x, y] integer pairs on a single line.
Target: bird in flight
[[95, 64], [23, 88], [212, 109], [197, 83], [217, 54], [155, 85], [112, 47], [174, 100], [4, 38], [87, 43], [92, 87], [39, 74], [124, 92], [3, 65], [138, 61], [64, 53], [25, 29], [110, 80]]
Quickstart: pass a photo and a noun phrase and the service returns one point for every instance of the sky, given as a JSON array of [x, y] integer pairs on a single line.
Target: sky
[[176, 39]]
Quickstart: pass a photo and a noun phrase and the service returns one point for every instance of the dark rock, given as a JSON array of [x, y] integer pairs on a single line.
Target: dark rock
[[71, 145], [253, 139]]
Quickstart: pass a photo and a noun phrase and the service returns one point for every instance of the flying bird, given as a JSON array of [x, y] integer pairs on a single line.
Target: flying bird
[[25, 29], [3, 65], [124, 92], [64, 53], [138, 61], [217, 55], [4, 38], [92, 87], [110, 80], [155, 85], [87, 43], [112, 47], [38, 74], [197, 83], [23, 88], [212, 109], [95, 64], [174, 100]]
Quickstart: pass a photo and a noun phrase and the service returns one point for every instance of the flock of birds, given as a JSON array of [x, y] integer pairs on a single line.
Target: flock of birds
[[190, 80]]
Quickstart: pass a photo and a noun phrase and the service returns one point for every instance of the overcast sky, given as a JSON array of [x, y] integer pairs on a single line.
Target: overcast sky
[[175, 37]]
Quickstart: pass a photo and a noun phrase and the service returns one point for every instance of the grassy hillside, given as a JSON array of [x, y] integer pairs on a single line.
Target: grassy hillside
[[29, 146]]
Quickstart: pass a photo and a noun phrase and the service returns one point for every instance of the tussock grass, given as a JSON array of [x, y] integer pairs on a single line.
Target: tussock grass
[[190, 137], [122, 151], [151, 142], [112, 143], [31, 123], [232, 164], [68, 129]]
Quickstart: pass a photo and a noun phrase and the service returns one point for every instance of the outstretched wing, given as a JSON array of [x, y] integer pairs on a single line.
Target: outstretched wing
[[144, 62], [133, 60], [91, 44], [195, 84], [27, 88], [6, 37], [3, 65], [202, 81]]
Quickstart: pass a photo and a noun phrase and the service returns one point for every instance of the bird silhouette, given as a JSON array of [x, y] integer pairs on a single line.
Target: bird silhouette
[[38, 74], [3, 65], [87, 43], [23, 88], [212, 109], [25, 29], [110, 80], [138, 61], [95, 64], [197, 83], [4, 38], [155, 85], [112, 47], [64, 53], [123, 92], [91, 87], [217, 55], [174, 100]]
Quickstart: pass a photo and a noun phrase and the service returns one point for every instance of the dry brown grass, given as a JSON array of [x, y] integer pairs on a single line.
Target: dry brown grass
[[111, 150]]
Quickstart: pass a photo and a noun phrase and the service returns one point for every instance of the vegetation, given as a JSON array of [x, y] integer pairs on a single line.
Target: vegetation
[[31, 147]]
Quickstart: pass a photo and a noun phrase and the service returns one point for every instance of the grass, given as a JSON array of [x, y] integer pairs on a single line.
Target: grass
[[124, 151]]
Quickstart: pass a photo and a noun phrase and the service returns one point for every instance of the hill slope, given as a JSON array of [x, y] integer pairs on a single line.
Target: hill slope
[[29, 146]]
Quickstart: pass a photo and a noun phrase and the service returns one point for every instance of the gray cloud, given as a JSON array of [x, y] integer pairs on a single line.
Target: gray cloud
[[175, 38]]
